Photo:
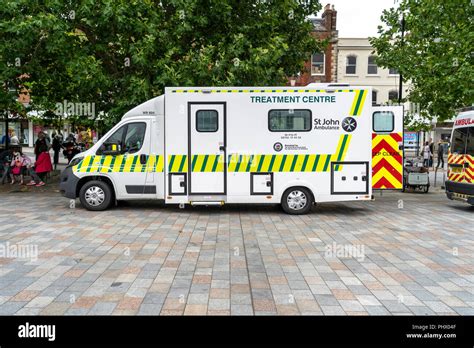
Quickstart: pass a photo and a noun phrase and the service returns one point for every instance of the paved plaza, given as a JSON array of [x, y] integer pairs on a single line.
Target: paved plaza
[[400, 254]]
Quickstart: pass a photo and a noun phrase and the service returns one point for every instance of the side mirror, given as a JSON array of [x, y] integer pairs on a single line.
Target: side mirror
[[111, 149]]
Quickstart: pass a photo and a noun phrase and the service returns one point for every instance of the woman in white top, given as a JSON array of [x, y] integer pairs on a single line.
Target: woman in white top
[[426, 155]]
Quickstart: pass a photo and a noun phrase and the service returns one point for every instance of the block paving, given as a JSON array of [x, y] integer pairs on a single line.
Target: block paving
[[415, 257]]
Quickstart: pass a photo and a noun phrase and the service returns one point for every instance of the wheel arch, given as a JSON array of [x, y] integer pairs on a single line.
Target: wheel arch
[[296, 185]]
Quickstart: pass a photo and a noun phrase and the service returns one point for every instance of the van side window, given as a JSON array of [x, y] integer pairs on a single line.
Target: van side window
[[134, 138], [289, 120], [130, 136], [470, 142], [459, 141], [383, 121], [207, 121]]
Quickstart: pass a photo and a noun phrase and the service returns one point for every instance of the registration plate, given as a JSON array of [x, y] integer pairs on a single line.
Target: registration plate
[[456, 169]]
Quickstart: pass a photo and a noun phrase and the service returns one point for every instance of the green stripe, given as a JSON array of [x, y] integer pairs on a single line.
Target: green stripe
[[262, 157], [90, 164], [306, 157], [327, 163], [315, 165], [170, 166], [293, 164], [102, 159], [181, 165], [270, 167], [134, 164], [358, 102], [343, 145], [193, 164], [145, 165], [282, 164], [238, 164], [203, 167], [214, 166], [250, 163], [111, 167], [80, 164]]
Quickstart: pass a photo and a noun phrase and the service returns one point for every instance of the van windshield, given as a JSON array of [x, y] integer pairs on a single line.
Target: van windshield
[[459, 141]]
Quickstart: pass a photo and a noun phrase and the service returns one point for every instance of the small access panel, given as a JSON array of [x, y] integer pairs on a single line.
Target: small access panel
[[348, 178], [261, 184]]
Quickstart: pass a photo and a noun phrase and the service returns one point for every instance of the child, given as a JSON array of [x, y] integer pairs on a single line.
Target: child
[[26, 162], [16, 167]]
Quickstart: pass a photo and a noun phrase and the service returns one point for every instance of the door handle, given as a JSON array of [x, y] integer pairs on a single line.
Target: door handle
[[222, 148], [143, 159]]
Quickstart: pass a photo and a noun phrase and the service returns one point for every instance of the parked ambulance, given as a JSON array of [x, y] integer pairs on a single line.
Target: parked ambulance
[[460, 183], [293, 146]]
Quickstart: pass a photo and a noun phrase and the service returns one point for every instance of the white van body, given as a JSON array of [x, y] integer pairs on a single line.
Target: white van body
[[289, 145]]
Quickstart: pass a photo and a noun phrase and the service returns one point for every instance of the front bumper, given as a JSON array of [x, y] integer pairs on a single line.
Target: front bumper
[[68, 183], [460, 191]]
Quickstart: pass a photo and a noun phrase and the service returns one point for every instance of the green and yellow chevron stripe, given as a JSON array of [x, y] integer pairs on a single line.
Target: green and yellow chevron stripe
[[119, 164], [289, 162], [358, 103]]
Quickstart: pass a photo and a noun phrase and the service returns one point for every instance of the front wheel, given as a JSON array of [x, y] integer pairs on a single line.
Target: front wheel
[[297, 200], [95, 195]]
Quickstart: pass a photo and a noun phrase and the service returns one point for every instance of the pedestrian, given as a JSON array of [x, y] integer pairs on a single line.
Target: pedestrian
[[41, 144], [14, 141], [440, 155], [5, 160], [43, 163], [432, 152], [426, 154], [26, 165], [56, 149]]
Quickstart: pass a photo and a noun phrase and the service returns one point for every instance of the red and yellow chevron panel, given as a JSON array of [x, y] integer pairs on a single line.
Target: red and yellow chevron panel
[[464, 171], [387, 161]]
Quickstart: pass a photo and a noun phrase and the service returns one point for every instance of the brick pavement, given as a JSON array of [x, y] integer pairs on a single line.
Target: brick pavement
[[414, 256]]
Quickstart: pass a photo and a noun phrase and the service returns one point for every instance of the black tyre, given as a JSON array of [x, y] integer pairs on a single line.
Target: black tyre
[[297, 200], [426, 188], [95, 195]]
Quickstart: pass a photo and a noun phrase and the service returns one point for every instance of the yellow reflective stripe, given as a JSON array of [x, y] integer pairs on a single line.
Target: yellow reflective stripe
[[106, 165], [266, 163], [288, 163], [321, 162], [128, 164], [299, 163], [310, 163], [86, 164], [354, 102]]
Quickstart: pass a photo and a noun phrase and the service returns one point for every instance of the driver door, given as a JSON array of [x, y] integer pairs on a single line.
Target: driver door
[[128, 170]]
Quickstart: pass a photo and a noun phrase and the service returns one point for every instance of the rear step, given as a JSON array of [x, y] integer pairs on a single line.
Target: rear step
[[206, 203]]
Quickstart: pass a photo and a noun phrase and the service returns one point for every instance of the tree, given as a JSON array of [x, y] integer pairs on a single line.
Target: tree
[[119, 53], [435, 55]]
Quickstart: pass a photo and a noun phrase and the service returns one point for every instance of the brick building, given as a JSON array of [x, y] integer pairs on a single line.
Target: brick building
[[321, 66]]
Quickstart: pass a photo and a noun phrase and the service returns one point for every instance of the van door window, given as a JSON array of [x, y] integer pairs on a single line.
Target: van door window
[[134, 138], [383, 122], [459, 141], [470, 142]]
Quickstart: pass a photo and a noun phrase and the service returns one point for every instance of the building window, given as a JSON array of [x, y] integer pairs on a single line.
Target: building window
[[374, 97], [351, 65], [289, 120], [393, 95], [207, 121], [372, 66], [383, 122], [393, 71], [317, 64]]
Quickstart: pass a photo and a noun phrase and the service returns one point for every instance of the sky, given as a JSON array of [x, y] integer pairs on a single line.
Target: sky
[[358, 18]]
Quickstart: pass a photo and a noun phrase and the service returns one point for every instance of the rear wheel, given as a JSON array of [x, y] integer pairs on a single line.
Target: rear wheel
[[95, 195], [297, 200]]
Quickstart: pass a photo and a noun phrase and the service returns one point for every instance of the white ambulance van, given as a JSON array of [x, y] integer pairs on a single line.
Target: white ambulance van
[[460, 182], [293, 146]]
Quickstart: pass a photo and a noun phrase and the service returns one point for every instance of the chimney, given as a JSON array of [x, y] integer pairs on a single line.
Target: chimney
[[329, 16]]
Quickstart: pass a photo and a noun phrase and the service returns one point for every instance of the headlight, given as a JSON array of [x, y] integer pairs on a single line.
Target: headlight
[[75, 161]]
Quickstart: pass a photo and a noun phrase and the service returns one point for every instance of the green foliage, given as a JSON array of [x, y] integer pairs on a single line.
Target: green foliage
[[436, 55], [119, 53]]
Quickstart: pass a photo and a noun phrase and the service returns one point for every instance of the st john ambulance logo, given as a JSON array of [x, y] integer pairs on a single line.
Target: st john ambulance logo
[[349, 124]]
